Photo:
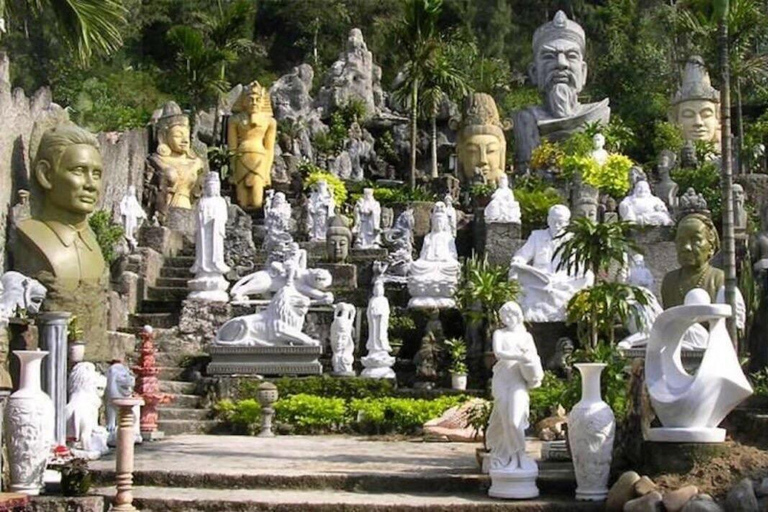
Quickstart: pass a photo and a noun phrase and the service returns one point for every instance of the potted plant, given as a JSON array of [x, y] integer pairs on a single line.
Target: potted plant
[[75, 478], [478, 418], [75, 343], [458, 352]]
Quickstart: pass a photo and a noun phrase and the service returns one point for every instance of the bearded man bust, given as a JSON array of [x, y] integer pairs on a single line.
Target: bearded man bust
[[559, 72]]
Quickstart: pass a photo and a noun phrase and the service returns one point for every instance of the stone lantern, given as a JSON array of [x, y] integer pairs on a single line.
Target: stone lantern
[[267, 396]]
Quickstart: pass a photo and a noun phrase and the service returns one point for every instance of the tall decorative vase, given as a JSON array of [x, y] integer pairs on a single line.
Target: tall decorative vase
[[591, 429], [29, 426]]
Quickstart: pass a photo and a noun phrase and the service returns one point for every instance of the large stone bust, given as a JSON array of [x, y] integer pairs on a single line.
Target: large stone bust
[[559, 72], [481, 143], [696, 105]]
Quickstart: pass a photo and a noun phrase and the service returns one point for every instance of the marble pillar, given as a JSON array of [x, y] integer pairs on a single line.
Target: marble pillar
[[53, 338]]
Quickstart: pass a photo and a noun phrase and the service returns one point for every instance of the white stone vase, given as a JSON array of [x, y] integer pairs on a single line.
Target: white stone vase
[[29, 426], [591, 429]]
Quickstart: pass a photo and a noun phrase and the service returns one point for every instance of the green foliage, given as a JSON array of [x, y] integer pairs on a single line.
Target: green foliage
[[667, 136], [578, 144], [547, 156], [219, 160], [517, 98], [108, 234], [613, 381], [398, 415], [759, 382], [595, 246], [385, 148], [482, 189], [705, 179], [612, 177], [315, 174], [74, 331], [325, 386], [552, 392], [458, 352], [243, 416], [479, 417], [535, 198], [619, 136], [310, 414]]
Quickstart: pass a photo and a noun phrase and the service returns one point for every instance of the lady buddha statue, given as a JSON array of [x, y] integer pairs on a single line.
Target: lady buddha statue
[[481, 145], [175, 179], [251, 134]]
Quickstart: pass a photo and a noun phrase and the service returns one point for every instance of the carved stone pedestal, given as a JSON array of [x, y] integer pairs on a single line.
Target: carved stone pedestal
[[497, 241], [299, 360], [517, 484]]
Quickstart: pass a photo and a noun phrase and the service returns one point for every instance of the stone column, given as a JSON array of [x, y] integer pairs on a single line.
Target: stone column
[[125, 432], [53, 338]]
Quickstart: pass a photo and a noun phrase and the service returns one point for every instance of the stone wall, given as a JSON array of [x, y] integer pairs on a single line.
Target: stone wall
[[123, 155]]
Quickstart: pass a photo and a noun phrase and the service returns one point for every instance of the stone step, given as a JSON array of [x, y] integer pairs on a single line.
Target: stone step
[[167, 271], [167, 293], [181, 427], [170, 360], [156, 320], [180, 401], [171, 372], [175, 499], [180, 262], [172, 282], [160, 306], [177, 387], [175, 413]]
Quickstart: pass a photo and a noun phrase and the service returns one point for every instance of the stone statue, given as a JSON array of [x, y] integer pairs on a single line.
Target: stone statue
[[739, 211], [57, 246], [378, 363], [430, 355], [643, 316], [559, 72], [584, 199], [481, 147], [599, 154], [399, 244], [277, 221], [636, 174], [82, 411], [209, 268], [518, 369], [688, 157], [643, 208], [696, 105], [387, 217], [278, 325], [691, 202], [546, 290], [450, 211], [338, 239], [19, 292], [503, 207], [120, 384], [667, 189], [433, 277], [320, 208], [175, 169], [251, 134], [342, 343], [638, 273], [760, 243], [132, 216], [367, 221]]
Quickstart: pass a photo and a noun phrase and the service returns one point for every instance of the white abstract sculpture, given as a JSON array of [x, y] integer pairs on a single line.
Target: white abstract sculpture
[[278, 325], [131, 215], [503, 206], [342, 343], [599, 154], [367, 221], [690, 407], [433, 277], [120, 384], [320, 207], [546, 290], [209, 268], [378, 363], [643, 208], [518, 369], [82, 412]]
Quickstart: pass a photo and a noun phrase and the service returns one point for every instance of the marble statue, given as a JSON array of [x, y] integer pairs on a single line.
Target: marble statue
[[280, 324], [760, 243], [175, 169], [19, 292], [643, 208], [57, 246], [517, 369], [209, 268], [399, 244], [378, 363], [82, 411], [688, 157], [277, 221], [690, 407], [433, 277], [367, 221], [695, 107], [667, 189], [691, 202], [132, 215], [546, 289], [739, 211], [638, 273], [559, 71], [342, 342], [599, 154], [585, 199], [120, 384], [503, 207], [310, 282], [338, 239], [320, 208], [450, 211], [481, 147], [251, 134]]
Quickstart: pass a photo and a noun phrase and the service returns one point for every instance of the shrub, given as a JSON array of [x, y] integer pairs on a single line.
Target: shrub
[[482, 189], [108, 234], [315, 174], [553, 391], [667, 136], [310, 414], [706, 180], [330, 387], [548, 155], [401, 415], [611, 177], [578, 144], [535, 198], [243, 416], [458, 351]]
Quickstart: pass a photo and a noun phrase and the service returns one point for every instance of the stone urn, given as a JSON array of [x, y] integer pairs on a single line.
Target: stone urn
[[29, 426], [267, 395], [591, 429]]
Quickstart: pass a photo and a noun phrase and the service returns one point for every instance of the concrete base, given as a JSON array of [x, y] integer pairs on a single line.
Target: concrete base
[[669, 457], [513, 484], [299, 360], [155, 435], [686, 435]]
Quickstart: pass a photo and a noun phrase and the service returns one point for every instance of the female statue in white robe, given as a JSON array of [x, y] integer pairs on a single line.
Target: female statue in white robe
[[211, 223]]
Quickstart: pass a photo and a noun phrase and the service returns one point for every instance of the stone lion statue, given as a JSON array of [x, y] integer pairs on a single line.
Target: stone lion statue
[[120, 384], [82, 411], [18, 291]]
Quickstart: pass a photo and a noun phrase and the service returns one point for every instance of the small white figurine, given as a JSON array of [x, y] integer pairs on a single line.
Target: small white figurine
[[503, 207], [643, 208], [132, 216], [342, 342], [82, 411], [450, 211], [599, 154], [367, 221], [320, 208], [277, 221], [518, 369], [120, 384], [378, 363]]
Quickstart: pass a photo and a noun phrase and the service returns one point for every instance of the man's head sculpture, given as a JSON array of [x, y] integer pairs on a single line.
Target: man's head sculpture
[[696, 105], [254, 99], [481, 143]]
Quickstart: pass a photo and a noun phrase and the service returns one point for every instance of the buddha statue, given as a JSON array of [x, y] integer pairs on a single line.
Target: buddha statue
[[338, 239], [480, 144], [696, 105], [643, 208], [599, 154], [57, 246], [175, 169], [251, 134], [503, 207]]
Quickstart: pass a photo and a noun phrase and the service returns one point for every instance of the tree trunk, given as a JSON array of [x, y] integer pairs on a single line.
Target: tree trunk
[[729, 252], [434, 146], [743, 160], [414, 116]]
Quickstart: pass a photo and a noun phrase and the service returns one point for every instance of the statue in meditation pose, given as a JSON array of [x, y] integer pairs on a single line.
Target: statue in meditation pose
[[277, 220], [433, 277], [503, 207], [367, 221], [546, 289], [643, 208], [320, 208]]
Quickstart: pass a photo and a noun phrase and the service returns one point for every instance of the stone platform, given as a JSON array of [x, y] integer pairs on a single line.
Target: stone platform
[[299, 360]]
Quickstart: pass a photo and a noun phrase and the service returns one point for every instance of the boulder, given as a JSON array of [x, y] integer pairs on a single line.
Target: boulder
[[674, 501], [651, 502], [741, 498], [644, 486], [702, 503], [621, 492]]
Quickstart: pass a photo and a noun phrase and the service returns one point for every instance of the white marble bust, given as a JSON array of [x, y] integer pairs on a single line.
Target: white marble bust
[[599, 154], [643, 208], [503, 207]]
